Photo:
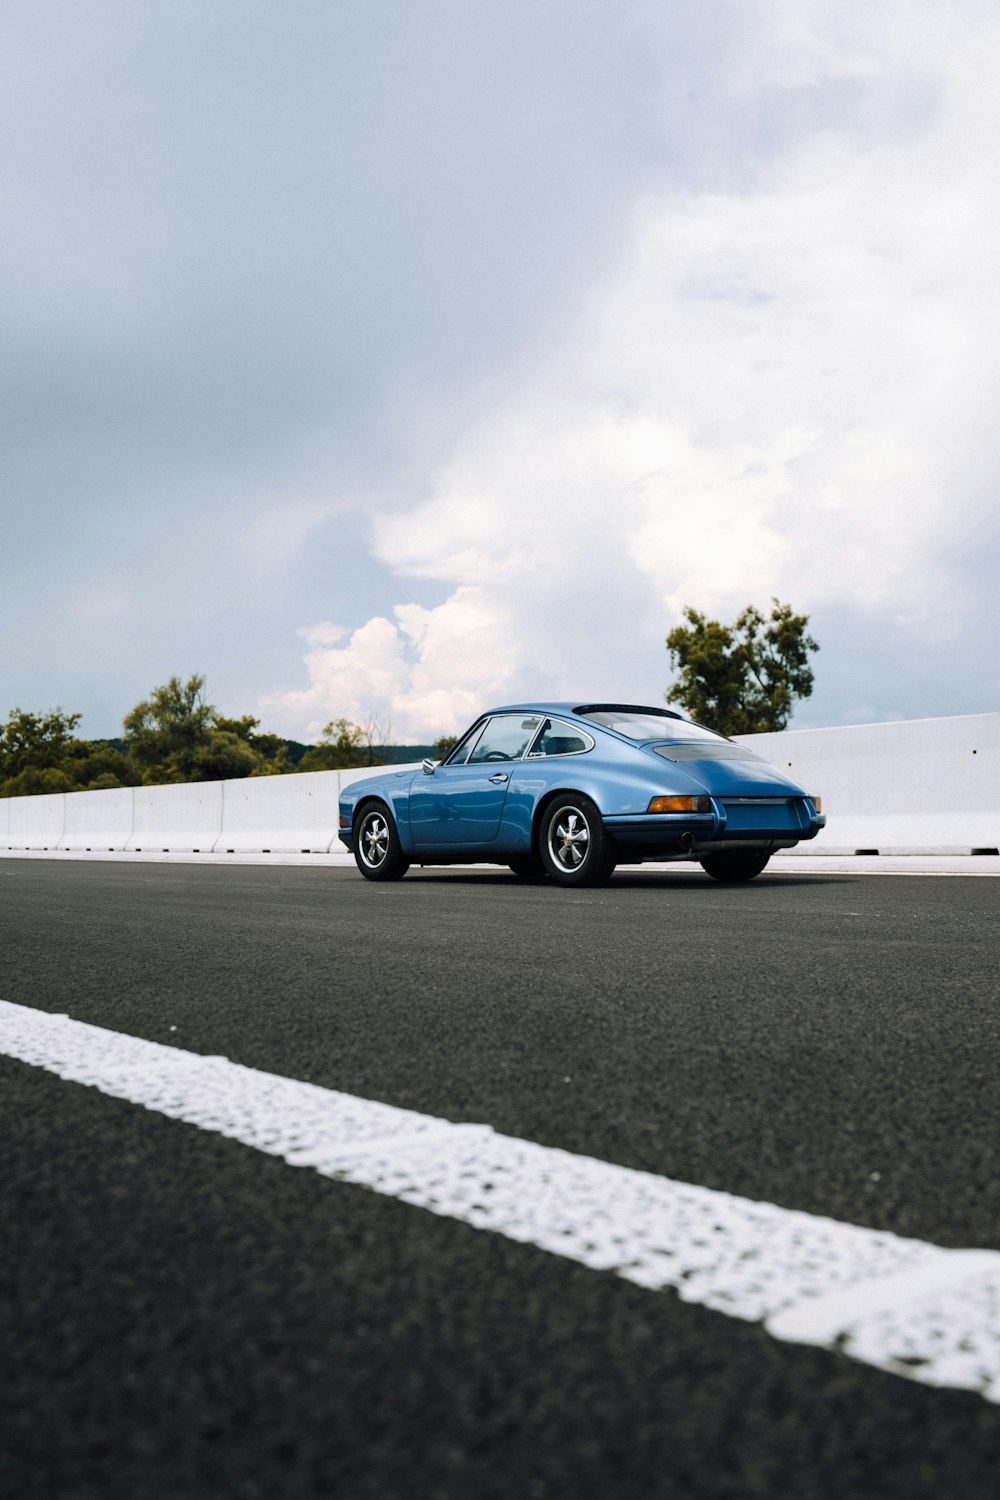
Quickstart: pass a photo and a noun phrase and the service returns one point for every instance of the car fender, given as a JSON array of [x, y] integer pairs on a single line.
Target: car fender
[[393, 790], [533, 786]]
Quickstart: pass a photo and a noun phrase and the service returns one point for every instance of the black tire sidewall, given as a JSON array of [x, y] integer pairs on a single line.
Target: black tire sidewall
[[395, 864], [598, 862]]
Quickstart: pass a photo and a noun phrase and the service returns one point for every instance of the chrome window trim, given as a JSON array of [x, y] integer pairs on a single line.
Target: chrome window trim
[[572, 729], [529, 713], [471, 739], [475, 734]]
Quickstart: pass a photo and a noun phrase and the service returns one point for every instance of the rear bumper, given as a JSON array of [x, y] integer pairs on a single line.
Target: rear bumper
[[649, 835]]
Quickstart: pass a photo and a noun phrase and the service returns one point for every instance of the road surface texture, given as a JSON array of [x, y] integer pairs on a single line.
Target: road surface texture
[[184, 1317]]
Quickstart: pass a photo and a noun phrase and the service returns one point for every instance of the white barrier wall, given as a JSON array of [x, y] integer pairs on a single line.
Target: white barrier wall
[[36, 822], [97, 820], [176, 819], [923, 786], [280, 814]]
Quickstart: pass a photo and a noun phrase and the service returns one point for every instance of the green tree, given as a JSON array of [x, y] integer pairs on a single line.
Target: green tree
[[270, 750], [96, 767], [177, 735], [35, 781], [31, 741], [39, 753], [444, 743], [344, 745], [166, 730], [173, 735], [743, 678]]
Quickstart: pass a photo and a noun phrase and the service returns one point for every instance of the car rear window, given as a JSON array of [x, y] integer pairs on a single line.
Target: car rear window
[[648, 724]]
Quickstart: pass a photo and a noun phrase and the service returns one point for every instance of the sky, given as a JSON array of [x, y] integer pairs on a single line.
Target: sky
[[390, 361]]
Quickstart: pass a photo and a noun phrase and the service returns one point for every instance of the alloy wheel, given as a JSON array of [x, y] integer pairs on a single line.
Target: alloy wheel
[[569, 840], [374, 839]]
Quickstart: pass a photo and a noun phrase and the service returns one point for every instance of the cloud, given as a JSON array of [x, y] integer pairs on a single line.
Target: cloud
[[783, 388], [497, 335], [323, 635], [252, 272], [425, 669]]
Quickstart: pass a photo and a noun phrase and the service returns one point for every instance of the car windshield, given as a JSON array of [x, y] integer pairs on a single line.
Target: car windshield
[[648, 724]]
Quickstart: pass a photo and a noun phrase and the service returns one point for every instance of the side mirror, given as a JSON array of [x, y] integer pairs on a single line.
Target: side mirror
[[428, 767]]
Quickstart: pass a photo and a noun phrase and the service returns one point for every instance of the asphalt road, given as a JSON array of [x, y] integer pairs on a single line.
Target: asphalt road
[[182, 1317]]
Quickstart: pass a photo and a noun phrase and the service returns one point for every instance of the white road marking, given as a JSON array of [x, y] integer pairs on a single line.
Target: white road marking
[[902, 1305]]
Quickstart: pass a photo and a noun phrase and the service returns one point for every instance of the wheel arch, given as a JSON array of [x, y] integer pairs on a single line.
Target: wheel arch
[[367, 801], [546, 801], [396, 803]]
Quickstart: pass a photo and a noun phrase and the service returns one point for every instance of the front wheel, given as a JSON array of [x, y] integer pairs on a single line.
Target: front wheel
[[734, 866], [574, 847], [377, 850]]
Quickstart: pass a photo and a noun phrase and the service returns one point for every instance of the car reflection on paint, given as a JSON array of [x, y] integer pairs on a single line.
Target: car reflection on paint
[[570, 791]]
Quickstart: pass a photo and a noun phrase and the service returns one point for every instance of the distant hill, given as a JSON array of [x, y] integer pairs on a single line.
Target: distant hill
[[399, 755], [389, 755]]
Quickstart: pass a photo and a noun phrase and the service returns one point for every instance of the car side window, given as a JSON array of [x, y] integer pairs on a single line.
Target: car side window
[[460, 754], [505, 738], [558, 738]]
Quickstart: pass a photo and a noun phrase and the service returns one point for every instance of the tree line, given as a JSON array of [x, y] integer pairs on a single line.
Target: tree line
[[174, 735], [742, 678]]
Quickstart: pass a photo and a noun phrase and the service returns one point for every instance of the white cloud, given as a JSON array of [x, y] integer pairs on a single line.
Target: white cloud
[[425, 669], [783, 389], [323, 635]]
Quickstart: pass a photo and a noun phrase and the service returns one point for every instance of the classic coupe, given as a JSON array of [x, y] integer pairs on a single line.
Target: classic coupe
[[569, 791]]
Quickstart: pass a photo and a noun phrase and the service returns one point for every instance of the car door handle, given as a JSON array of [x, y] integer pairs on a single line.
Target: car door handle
[[500, 777]]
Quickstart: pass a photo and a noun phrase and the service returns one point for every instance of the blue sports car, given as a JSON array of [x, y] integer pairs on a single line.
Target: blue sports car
[[572, 790]]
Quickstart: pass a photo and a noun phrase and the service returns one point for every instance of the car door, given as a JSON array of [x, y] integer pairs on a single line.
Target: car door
[[462, 802]]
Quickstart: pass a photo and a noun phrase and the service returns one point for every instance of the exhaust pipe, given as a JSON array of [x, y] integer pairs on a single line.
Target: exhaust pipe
[[687, 842]]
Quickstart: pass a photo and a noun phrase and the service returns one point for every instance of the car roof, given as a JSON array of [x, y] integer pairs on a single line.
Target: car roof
[[581, 709]]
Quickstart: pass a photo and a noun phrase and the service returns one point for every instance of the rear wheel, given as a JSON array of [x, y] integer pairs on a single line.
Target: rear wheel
[[574, 846], [377, 850], [734, 866]]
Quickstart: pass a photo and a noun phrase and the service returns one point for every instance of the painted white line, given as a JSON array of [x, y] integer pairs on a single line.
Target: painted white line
[[902, 1305]]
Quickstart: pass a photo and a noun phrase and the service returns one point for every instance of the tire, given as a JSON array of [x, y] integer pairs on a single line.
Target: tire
[[574, 846], [527, 866], [733, 866], [378, 853]]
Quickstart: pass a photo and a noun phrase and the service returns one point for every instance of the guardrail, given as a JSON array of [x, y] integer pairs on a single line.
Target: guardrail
[[922, 786]]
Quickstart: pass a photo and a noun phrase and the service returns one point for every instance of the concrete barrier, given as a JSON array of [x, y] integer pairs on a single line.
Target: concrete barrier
[[98, 820], [924, 786], [920, 786], [280, 814], [176, 819], [36, 822]]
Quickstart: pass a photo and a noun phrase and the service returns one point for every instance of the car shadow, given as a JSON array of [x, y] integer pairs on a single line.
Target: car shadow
[[623, 879]]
